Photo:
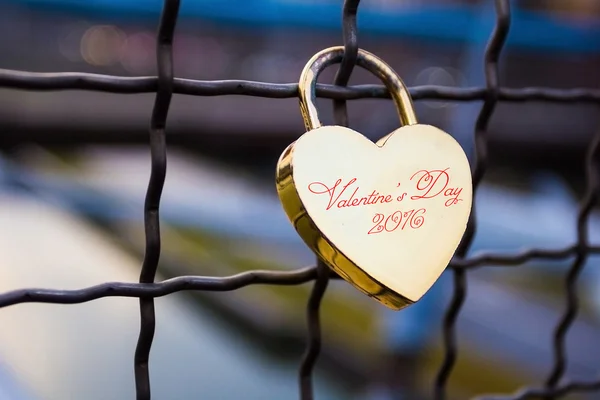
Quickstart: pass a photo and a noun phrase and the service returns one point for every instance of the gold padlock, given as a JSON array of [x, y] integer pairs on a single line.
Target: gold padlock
[[386, 216]]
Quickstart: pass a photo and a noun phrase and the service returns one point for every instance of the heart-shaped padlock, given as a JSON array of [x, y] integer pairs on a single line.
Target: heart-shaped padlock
[[386, 216]]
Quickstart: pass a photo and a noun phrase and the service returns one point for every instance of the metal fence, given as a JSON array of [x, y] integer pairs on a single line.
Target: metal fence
[[165, 84]]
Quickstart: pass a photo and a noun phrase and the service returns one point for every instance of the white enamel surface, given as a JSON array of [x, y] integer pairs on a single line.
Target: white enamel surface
[[407, 260]]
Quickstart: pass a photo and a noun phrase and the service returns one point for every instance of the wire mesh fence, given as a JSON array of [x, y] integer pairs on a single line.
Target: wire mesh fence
[[166, 84]]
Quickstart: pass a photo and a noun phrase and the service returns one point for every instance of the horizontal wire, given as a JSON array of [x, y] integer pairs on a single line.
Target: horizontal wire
[[59, 81], [238, 281], [514, 259], [159, 289]]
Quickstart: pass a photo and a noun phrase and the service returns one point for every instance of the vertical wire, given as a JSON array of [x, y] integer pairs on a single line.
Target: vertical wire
[[582, 252], [158, 153], [492, 54], [313, 347], [342, 76], [340, 111]]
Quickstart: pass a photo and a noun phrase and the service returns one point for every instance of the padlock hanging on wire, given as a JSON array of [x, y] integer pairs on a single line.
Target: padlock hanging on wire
[[386, 216]]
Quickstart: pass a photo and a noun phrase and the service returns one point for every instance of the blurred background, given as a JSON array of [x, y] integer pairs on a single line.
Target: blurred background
[[74, 167]]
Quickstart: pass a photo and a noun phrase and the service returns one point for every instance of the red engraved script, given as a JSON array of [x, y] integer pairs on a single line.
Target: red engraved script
[[433, 183], [424, 186], [346, 194]]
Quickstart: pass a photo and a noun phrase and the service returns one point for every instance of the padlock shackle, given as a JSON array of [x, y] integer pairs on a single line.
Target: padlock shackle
[[366, 60]]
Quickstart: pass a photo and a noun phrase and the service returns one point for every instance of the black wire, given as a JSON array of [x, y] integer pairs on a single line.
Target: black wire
[[158, 155], [159, 289], [36, 81], [582, 252], [313, 347], [492, 54], [342, 77]]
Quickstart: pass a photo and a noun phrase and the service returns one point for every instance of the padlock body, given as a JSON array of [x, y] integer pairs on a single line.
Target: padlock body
[[386, 216]]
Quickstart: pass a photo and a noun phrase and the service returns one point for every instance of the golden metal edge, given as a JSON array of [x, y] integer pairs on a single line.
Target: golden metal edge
[[321, 245]]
